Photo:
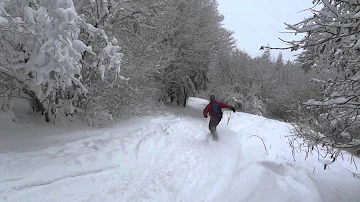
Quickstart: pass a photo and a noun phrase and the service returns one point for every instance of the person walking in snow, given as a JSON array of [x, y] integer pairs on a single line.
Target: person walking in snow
[[214, 109]]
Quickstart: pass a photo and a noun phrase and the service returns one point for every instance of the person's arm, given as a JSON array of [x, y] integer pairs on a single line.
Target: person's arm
[[206, 111], [223, 105]]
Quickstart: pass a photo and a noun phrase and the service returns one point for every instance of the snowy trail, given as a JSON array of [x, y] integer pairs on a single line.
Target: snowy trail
[[170, 157]]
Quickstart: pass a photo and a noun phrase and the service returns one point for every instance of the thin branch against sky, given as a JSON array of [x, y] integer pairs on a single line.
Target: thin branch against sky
[[258, 23]]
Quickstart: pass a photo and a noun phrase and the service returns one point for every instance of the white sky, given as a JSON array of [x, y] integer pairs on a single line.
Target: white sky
[[259, 22]]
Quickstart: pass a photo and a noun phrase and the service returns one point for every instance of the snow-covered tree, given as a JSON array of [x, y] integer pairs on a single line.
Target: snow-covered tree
[[43, 51], [257, 86], [266, 55], [64, 56], [139, 27], [195, 34], [331, 45], [279, 64]]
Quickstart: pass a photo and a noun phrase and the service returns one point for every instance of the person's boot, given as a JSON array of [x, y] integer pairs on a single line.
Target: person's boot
[[214, 134], [216, 137]]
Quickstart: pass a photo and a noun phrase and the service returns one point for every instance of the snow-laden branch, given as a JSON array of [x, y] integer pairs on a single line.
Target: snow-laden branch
[[332, 44], [56, 61]]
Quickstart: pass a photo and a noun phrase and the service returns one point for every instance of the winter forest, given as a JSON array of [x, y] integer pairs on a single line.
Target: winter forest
[[99, 62]]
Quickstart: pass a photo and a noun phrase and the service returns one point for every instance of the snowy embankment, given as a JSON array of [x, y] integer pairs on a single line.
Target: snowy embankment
[[170, 157]]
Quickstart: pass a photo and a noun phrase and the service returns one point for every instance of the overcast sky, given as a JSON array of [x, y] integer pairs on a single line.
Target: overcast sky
[[258, 22]]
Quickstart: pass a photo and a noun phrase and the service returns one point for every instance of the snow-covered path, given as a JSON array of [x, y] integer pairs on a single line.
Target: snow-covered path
[[170, 157]]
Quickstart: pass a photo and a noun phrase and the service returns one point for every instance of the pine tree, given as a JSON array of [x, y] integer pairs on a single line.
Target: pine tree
[[266, 55], [279, 64]]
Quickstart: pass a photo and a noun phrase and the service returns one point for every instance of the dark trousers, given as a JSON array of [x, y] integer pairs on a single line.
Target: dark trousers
[[213, 124]]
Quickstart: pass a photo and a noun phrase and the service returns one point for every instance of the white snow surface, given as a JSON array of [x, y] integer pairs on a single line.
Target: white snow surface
[[167, 157]]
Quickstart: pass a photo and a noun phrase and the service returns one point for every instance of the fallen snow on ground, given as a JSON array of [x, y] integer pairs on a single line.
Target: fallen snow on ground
[[170, 157]]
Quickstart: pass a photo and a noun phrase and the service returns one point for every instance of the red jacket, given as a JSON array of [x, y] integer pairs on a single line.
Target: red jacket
[[208, 108]]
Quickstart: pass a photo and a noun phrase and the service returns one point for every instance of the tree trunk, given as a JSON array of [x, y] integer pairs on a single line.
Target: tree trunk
[[185, 97], [35, 103]]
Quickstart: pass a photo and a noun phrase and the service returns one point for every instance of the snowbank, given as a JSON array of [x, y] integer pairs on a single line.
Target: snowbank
[[171, 157]]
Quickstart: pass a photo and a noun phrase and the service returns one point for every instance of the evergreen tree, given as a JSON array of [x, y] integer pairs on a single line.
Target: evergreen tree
[[279, 64]]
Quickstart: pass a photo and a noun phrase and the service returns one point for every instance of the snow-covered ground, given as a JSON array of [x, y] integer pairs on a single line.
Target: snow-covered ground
[[166, 157]]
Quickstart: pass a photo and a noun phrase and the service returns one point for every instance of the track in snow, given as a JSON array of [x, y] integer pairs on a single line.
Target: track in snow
[[171, 157]]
